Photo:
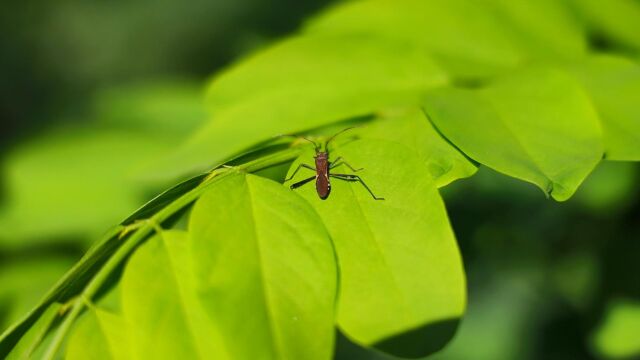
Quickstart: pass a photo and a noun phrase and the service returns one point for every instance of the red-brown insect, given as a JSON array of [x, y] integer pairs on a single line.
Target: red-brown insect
[[323, 170]]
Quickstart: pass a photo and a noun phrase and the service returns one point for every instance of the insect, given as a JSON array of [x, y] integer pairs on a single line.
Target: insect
[[323, 168]]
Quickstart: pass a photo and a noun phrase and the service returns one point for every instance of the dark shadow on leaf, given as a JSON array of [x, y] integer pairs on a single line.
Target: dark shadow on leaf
[[420, 342], [417, 343], [348, 350]]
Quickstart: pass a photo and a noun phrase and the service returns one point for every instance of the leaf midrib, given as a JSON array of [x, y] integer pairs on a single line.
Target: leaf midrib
[[273, 335], [378, 247]]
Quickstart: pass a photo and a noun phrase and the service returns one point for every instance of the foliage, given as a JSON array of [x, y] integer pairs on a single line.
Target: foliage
[[233, 258], [617, 335]]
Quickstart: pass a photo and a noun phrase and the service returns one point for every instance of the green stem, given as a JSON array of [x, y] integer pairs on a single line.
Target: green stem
[[141, 233]]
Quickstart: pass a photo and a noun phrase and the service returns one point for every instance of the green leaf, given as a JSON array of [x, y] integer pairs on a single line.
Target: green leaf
[[23, 283], [99, 334], [616, 20], [498, 321], [613, 83], [545, 29], [302, 83], [466, 46], [402, 285], [67, 287], [411, 128], [499, 35], [27, 345], [83, 273], [71, 183], [265, 270], [160, 305], [538, 126], [617, 336], [160, 108]]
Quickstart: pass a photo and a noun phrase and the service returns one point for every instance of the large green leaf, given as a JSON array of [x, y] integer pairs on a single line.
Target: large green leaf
[[164, 318], [617, 336], [499, 35], [411, 128], [402, 286], [265, 270], [546, 29], [613, 83], [302, 83], [99, 334], [536, 125], [156, 309]]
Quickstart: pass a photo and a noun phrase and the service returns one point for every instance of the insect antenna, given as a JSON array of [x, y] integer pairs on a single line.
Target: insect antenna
[[315, 144], [326, 144]]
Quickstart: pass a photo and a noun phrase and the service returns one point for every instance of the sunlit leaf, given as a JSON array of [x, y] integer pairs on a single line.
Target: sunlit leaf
[[402, 285], [99, 334], [537, 126], [495, 38], [67, 287], [302, 83], [265, 270], [411, 128], [159, 302], [617, 336]]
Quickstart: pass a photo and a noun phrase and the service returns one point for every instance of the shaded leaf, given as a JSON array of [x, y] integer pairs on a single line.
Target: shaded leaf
[[27, 345], [23, 283], [616, 21], [402, 285], [537, 126], [496, 323], [613, 83], [610, 189], [72, 183], [162, 108], [66, 288]]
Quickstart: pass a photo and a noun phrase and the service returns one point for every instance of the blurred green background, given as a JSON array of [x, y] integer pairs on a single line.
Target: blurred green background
[[92, 91]]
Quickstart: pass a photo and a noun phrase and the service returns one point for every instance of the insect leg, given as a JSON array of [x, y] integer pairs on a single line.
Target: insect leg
[[350, 177], [298, 168], [339, 161], [301, 182]]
